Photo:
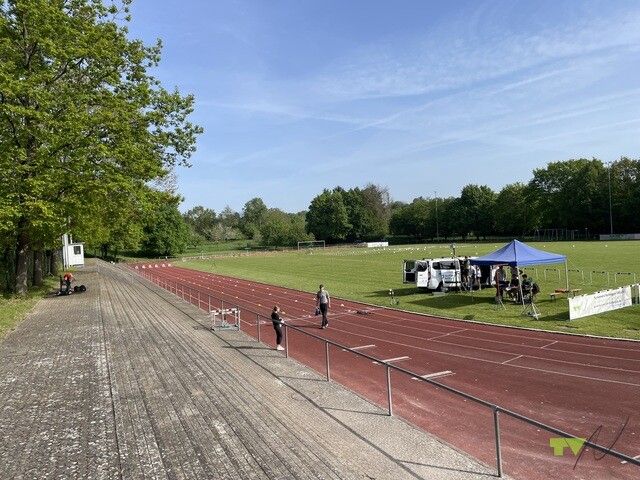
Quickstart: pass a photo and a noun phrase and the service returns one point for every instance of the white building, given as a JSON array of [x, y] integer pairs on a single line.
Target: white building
[[72, 253]]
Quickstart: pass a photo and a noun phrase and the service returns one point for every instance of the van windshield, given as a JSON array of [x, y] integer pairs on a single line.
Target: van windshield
[[448, 265]]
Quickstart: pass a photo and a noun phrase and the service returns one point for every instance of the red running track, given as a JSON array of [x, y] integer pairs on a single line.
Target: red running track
[[578, 384]]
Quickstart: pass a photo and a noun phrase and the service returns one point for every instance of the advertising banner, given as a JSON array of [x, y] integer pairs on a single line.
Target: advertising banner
[[599, 302]]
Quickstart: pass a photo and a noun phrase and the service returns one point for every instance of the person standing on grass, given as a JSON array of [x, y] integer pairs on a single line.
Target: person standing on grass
[[500, 278], [323, 302], [277, 326]]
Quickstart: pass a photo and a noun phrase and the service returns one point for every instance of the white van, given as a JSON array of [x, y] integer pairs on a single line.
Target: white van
[[442, 274]]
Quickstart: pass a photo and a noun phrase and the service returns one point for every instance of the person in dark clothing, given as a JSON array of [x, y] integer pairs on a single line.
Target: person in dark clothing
[[465, 267], [277, 326], [323, 302]]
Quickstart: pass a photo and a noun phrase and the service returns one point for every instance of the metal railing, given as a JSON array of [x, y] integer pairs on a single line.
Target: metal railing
[[189, 294]]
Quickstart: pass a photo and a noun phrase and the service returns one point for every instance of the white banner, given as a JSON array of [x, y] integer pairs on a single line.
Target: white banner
[[373, 244], [621, 236], [599, 302]]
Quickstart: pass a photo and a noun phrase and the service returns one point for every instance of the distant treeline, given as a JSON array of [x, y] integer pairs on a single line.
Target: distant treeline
[[570, 195]]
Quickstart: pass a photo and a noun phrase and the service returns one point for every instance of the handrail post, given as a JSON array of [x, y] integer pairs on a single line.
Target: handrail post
[[258, 324], [198, 299], [389, 390], [286, 341], [326, 355], [239, 315], [208, 303], [496, 426]]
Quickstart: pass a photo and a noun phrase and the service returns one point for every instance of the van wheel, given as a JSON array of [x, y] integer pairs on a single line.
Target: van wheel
[[440, 287]]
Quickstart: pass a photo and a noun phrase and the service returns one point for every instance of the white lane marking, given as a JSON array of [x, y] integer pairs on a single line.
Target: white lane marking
[[549, 344], [447, 334], [443, 373], [536, 357], [635, 458], [511, 359], [480, 359], [530, 356], [363, 346], [395, 359]]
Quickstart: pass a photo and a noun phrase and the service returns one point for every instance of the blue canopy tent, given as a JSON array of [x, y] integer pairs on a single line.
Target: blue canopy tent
[[518, 254]]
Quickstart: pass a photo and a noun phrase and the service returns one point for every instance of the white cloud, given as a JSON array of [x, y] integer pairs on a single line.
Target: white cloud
[[446, 58]]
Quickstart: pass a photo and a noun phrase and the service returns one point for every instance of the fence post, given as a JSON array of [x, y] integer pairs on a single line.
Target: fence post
[[198, 299], [208, 303], [389, 390], [286, 341], [239, 313], [326, 356], [496, 426], [258, 324]]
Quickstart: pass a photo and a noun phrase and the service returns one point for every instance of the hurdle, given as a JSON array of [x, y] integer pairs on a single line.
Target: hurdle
[[551, 270], [577, 270], [220, 321], [629, 274], [599, 272]]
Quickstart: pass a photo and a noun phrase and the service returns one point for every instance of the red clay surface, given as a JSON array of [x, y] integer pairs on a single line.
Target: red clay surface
[[577, 384]]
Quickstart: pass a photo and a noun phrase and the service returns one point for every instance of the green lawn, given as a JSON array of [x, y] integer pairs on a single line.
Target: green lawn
[[368, 274], [14, 308]]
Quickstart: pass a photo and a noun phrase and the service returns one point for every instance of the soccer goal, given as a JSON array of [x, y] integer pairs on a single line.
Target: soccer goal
[[311, 244]]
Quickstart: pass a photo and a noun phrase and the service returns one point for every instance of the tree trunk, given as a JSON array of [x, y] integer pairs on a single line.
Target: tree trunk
[[53, 265], [22, 264], [37, 268]]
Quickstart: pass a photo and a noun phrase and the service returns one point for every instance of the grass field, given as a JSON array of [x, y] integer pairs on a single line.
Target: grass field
[[368, 274], [14, 308]]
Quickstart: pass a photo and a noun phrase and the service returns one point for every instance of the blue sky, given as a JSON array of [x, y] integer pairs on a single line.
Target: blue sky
[[419, 96]]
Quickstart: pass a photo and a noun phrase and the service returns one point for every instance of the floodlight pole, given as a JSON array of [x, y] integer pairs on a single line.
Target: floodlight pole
[[437, 228], [610, 165]]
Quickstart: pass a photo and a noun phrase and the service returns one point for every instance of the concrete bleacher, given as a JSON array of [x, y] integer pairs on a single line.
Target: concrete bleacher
[[125, 381]]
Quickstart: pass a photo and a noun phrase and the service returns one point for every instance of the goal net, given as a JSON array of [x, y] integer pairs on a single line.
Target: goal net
[[311, 244]]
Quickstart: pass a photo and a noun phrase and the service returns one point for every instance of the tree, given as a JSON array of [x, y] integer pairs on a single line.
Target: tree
[[416, 219], [625, 193], [80, 118], [516, 210], [478, 203], [282, 229], [166, 233], [572, 194], [252, 216], [202, 221], [327, 217]]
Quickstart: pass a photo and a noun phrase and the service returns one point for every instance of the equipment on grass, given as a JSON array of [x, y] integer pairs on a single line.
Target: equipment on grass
[[311, 244], [529, 305], [392, 298]]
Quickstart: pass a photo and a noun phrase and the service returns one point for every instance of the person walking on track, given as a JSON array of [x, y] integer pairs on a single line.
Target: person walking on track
[[277, 326], [323, 302]]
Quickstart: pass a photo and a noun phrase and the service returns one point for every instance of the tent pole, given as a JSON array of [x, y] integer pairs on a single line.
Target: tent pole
[[566, 274], [520, 284]]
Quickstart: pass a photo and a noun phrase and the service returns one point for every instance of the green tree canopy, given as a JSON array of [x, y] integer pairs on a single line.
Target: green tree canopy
[[327, 218], [253, 213], [202, 221], [81, 118], [516, 210], [165, 233], [572, 194], [282, 229], [478, 204]]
